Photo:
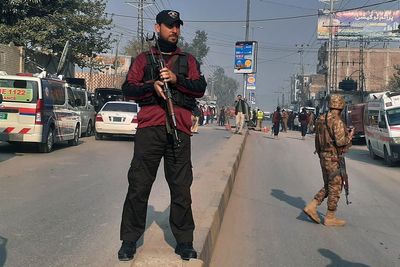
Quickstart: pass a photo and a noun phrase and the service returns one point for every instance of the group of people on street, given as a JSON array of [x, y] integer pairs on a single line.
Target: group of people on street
[[288, 120]]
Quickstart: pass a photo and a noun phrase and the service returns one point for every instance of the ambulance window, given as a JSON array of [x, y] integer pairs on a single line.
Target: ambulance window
[[22, 91], [373, 116], [57, 92], [393, 116]]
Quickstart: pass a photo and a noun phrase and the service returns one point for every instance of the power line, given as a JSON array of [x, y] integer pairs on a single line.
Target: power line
[[287, 5], [266, 19]]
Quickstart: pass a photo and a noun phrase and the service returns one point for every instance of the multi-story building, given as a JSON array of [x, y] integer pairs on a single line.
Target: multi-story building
[[376, 65]]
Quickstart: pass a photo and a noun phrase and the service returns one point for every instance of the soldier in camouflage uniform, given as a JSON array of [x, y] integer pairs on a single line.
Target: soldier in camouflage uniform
[[332, 140]]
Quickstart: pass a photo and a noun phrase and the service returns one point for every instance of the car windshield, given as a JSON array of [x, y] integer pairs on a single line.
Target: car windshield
[[393, 116], [122, 107]]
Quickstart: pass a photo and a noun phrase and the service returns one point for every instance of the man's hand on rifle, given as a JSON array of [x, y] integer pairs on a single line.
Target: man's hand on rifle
[[168, 76], [158, 87], [351, 132]]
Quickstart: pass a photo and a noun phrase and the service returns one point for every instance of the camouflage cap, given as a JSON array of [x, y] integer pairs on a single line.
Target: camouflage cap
[[337, 102]]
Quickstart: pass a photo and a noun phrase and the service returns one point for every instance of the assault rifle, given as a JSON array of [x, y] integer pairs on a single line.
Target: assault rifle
[[345, 178], [171, 118]]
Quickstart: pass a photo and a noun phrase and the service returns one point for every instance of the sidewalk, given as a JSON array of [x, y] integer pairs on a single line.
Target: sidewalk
[[210, 194]]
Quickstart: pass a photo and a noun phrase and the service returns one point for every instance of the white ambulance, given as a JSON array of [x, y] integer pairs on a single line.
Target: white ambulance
[[382, 126], [38, 110]]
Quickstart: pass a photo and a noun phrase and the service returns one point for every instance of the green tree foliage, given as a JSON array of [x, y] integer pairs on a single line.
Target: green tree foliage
[[394, 83], [198, 47], [225, 87], [46, 25]]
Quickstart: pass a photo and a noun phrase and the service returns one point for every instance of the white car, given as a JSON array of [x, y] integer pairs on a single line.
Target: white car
[[117, 118]]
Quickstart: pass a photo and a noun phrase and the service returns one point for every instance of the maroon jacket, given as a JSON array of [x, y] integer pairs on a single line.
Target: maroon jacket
[[135, 88]]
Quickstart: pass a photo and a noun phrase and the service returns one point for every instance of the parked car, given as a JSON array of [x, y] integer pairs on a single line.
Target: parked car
[[117, 118], [38, 110], [85, 110]]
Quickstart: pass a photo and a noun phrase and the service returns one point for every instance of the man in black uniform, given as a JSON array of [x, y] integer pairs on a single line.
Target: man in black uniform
[[154, 138]]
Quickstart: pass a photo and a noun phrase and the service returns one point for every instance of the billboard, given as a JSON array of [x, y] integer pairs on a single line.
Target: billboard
[[373, 24], [251, 82], [245, 57]]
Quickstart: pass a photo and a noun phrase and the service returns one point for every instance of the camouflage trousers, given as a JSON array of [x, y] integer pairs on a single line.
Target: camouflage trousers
[[332, 184]]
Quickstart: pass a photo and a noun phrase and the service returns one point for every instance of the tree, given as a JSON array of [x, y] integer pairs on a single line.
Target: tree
[[133, 48], [394, 83], [198, 48], [225, 87], [46, 25]]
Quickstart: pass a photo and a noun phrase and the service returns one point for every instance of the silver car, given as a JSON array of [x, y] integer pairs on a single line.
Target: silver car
[[85, 110]]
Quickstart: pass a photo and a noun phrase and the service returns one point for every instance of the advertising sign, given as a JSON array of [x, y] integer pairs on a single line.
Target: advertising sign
[[251, 81], [245, 57], [252, 97], [373, 24]]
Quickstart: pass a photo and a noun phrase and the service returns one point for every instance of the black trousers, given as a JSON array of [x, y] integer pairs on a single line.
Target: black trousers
[[276, 128], [303, 128], [152, 144]]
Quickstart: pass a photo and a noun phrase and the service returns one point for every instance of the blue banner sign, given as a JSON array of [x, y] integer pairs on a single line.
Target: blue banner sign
[[245, 57]]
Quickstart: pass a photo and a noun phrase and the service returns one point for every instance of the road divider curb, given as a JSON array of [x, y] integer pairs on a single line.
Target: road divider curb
[[221, 175]]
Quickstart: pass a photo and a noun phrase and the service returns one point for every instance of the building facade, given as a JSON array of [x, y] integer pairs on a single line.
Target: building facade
[[376, 65]]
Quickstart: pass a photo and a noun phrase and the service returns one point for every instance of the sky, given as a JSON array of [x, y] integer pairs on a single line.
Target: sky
[[277, 36]]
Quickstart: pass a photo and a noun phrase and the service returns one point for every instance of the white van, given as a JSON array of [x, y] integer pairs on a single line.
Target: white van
[[38, 110], [382, 126]]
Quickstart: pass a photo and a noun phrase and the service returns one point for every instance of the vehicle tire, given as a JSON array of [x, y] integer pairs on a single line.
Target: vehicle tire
[[388, 158], [371, 152], [75, 141], [47, 146], [89, 129], [98, 136]]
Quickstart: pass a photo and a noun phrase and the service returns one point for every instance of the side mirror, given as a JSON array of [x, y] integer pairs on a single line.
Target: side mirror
[[1, 98], [382, 124]]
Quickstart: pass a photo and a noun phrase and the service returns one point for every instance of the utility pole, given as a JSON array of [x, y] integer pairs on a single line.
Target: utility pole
[[116, 61], [329, 78], [301, 52], [140, 28], [246, 39]]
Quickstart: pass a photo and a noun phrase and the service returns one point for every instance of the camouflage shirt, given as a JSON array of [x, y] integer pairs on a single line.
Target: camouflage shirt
[[331, 135]]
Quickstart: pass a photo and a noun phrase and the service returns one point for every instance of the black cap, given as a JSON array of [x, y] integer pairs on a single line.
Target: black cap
[[168, 17]]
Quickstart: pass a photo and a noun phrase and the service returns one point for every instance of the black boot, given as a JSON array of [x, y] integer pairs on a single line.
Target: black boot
[[186, 251], [127, 250]]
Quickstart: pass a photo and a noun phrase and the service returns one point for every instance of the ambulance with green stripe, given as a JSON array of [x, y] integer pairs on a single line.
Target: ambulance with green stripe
[[38, 110]]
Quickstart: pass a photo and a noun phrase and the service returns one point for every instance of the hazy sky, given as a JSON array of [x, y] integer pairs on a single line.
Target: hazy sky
[[278, 57]]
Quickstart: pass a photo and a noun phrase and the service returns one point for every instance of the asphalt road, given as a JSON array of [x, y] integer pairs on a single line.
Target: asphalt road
[[264, 224], [64, 208]]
